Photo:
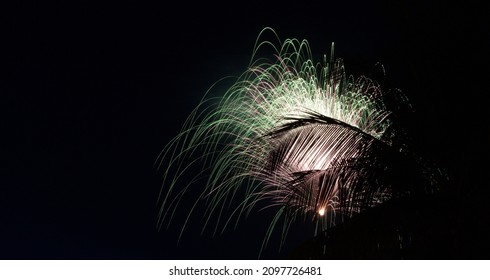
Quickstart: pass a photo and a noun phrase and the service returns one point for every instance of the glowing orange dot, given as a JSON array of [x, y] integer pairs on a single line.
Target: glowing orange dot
[[321, 211]]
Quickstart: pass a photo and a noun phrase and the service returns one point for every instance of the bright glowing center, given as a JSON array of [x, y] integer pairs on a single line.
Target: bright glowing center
[[321, 211]]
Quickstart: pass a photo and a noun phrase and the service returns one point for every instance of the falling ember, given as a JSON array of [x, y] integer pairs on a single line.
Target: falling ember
[[321, 212]]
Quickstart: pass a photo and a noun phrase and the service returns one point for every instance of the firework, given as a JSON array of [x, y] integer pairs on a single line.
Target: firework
[[301, 137]]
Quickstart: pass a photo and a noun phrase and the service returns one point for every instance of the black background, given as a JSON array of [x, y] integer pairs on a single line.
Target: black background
[[93, 91]]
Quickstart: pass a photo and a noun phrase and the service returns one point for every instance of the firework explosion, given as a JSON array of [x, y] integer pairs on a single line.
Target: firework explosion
[[303, 138]]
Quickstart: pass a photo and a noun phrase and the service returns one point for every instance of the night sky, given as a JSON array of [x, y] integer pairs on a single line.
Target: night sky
[[93, 91]]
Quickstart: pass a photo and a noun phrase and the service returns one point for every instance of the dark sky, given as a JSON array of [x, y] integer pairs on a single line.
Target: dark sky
[[93, 91]]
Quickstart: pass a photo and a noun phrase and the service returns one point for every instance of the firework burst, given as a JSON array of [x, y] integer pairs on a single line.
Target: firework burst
[[303, 138]]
